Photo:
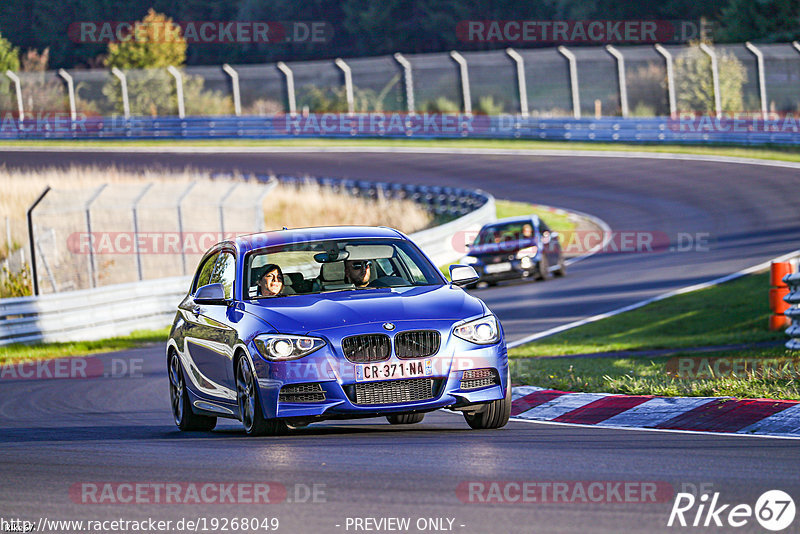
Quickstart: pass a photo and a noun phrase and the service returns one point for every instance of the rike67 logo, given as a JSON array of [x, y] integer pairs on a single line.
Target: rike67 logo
[[774, 510]]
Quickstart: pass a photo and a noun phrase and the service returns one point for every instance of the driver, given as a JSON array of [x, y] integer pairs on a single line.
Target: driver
[[270, 283], [358, 272]]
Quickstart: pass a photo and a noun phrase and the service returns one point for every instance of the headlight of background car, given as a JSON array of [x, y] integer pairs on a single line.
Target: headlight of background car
[[281, 347], [482, 331], [525, 252], [468, 260]]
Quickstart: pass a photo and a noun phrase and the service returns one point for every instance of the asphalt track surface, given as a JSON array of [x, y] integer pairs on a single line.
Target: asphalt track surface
[[56, 433]]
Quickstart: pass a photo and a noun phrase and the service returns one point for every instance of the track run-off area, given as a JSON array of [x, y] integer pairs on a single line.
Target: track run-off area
[[721, 216]]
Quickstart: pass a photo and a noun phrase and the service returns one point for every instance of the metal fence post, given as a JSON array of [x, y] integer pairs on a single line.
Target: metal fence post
[[714, 77], [408, 81], [623, 85], [464, 71], [44, 262], [17, 89], [221, 208], [673, 105], [32, 240], [71, 92], [762, 84], [237, 102], [87, 207], [8, 233], [178, 90], [180, 224], [123, 80], [523, 90], [284, 68], [260, 203], [348, 83], [136, 228], [573, 80]]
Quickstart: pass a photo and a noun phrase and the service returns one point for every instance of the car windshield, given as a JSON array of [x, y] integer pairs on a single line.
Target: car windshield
[[336, 265], [502, 233]]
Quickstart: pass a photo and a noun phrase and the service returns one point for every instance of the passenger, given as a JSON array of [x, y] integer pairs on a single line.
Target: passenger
[[358, 272], [270, 283], [527, 231]]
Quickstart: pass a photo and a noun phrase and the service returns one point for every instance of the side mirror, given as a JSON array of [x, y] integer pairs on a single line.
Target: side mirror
[[210, 294], [462, 275]]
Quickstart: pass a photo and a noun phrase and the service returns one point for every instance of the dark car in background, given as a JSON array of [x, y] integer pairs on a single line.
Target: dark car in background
[[516, 247]]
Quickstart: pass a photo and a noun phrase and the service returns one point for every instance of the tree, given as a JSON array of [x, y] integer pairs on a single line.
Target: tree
[[766, 20], [9, 56], [9, 60], [156, 42], [695, 86]]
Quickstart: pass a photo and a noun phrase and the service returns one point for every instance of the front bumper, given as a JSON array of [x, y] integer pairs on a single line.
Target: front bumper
[[519, 268], [335, 376]]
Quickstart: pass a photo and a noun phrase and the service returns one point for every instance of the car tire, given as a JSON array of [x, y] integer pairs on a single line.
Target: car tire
[[496, 413], [543, 269], [182, 413], [562, 267], [405, 418], [249, 401]]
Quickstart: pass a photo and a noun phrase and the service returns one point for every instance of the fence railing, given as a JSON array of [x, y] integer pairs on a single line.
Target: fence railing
[[624, 81], [116, 233], [119, 309]]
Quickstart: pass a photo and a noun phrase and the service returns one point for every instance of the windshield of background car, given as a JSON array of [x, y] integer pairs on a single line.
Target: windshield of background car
[[502, 233], [322, 266]]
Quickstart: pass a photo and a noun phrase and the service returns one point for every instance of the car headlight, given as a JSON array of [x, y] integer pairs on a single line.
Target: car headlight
[[528, 251], [483, 331], [282, 347], [468, 260]]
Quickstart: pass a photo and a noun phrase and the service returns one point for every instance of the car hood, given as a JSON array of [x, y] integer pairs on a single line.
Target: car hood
[[307, 313], [506, 247]]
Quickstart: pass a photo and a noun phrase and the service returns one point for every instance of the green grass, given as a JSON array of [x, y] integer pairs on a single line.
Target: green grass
[[730, 313], [776, 152], [735, 312], [45, 351], [650, 376], [559, 222]]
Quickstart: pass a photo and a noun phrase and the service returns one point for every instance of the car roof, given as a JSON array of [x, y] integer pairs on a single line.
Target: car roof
[[519, 219], [246, 243]]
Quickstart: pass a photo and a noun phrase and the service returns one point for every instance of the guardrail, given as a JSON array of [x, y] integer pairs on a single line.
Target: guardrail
[[119, 309], [793, 298], [748, 130], [91, 313]]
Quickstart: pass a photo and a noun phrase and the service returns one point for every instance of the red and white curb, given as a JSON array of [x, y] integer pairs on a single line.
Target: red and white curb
[[698, 414]]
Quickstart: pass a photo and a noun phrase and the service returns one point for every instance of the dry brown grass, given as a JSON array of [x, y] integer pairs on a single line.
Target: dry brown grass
[[285, 206], [310, 205]]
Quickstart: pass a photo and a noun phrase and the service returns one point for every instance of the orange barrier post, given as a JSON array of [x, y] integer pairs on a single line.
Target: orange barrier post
[[778, 269]]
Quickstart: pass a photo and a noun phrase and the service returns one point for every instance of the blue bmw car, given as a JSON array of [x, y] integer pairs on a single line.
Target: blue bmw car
[[286, 328]]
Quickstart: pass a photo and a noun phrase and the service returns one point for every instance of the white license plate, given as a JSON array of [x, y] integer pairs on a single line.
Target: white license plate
[[389, 370], [497, 268]]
